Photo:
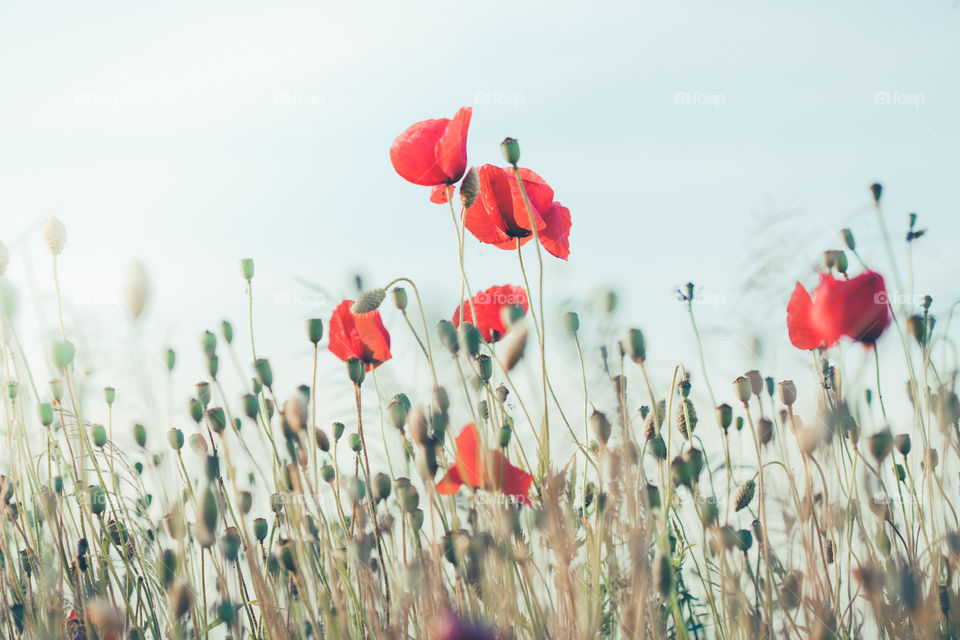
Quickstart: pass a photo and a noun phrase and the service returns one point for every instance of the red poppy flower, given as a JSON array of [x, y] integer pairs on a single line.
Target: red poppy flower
[[359, 335], [499, 215], [490, 305], [433, 152], [856, 308], [450, 626], [493, 472]]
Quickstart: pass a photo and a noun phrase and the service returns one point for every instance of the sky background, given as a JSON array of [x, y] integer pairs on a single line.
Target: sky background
[[720, 143]]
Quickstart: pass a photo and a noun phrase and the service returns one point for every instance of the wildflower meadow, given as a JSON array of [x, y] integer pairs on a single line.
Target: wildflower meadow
[[521, 491]]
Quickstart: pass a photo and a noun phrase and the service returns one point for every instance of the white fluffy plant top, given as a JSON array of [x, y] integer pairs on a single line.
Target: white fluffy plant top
[[54, 235]]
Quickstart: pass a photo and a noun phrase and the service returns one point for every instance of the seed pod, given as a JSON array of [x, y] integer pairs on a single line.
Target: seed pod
[[140, 435], [510, 149], [448, 336], [756, 382], [571, 321], [397, 411], [601, 426], [468, 337], [744, 495], [880, 444], [724, 416], [175, 438], [686, 419], [902, 443], [634, 345], [230, 543], [515, 347], [399, 295], [653, 420], [315, 330], [765, 431], [328, 473], [663, 575], [847, 236], [381, 486], [99, 435], [356, 370], [742, 389], [323, 442], [788, 392], [368, 301], [264, 372]]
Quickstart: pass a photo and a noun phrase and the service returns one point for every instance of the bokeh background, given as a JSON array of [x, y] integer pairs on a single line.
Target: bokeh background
[[724, 144]]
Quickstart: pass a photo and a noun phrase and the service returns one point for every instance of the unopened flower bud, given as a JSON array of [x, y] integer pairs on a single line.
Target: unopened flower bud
[[505, 434], [744, 495], [902, 443], [315, 330], [469, 338], [54, 235], [847, 236], [171, 359], [469, 188], [571, 321], [46, 414], [399, 295], [368, 301], [601, 426], [876, 189], [448, 336], [484, 367], [511, 151], [246, 267], [99, 435]]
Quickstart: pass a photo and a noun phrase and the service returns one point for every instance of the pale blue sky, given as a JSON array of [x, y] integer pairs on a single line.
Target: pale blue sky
[[189, 135]]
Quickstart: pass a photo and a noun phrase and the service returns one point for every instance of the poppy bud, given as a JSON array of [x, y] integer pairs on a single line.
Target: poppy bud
[[208, 342], [218, 419], [468, 337], [175, 438], [246, 266], [46, 414], [470, 188], [686, 419], [505, 434], [63, 353], [328, 473], [286, 556], [511, 151], [695, 462], [448, 336], [634, 345], [653, 496], [724, 416], [251, 406], [743, 495], [658, 448], [741, 388], [356, 443], [485, 367], [203, 393], [765, 430], [356, 370], [381, 486], [902, 443], [97, 499], [663, 575], [739, 423], [198, 444], [368, 301], [601, 426], [196, 410], [756, 382], [99, 435], [171, 359], [571, 321], [788, 392], [54, 235], [930, 460], [264, 372], [109, 395], [315, 330], [246, 502], [881, 443], [876, 190], [830, 258], [841, 263]]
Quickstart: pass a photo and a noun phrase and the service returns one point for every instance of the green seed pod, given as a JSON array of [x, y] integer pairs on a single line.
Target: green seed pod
[[175, 438], [196, 410], [847, 236], [99, 435], [356, 370], [217, 418], [208, 341], [876, 189], [251, 406], [880, 444], [468, 337], [46, 414], [417, 519], [483, 410], [246, 267], [264, 372], [328, 473], [724, 416], [510, 149], [441, 400], [171, 359], [356, 443], [286, 556], [109, 395], [742, 389], [448, 336], [227, 330], [765, 430], [634, 346], [260, 529], [315, 330], [709, 512], [140, 435], [230, 544], [168, 567], [485, 367], [256, 386], [338, 430], [63, 353], [658, 448], [744, 495], [505, 434], [663, 575], [213, 366], [213, 468], [571, 321], [901, 472], [246, 502], [381, 486], [501, 393], [399, 295], [398, 414], [902, 443], [209, 511], [56, 389], [653, 496], [227, 613], [97, 499]]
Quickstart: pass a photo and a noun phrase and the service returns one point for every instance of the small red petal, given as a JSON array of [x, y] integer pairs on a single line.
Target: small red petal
[[799, 325], [438, 194], [450, 483]]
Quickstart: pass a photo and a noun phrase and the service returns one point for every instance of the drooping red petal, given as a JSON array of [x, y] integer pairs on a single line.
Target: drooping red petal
[[451, 148], [826, 316], [490, 306], [555, 236], [799, 325], [468, 456], [413, 153], [362, 336], [450, 483], [538, 191], [863, 307], [516, 482], [491, 218], [438, 193]]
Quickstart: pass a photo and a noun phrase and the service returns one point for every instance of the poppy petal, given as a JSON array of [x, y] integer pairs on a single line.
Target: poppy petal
[[438, 194], [413, 153], [555, 236], [450, 483], [451, 148], [468, 456], [799, 324]]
